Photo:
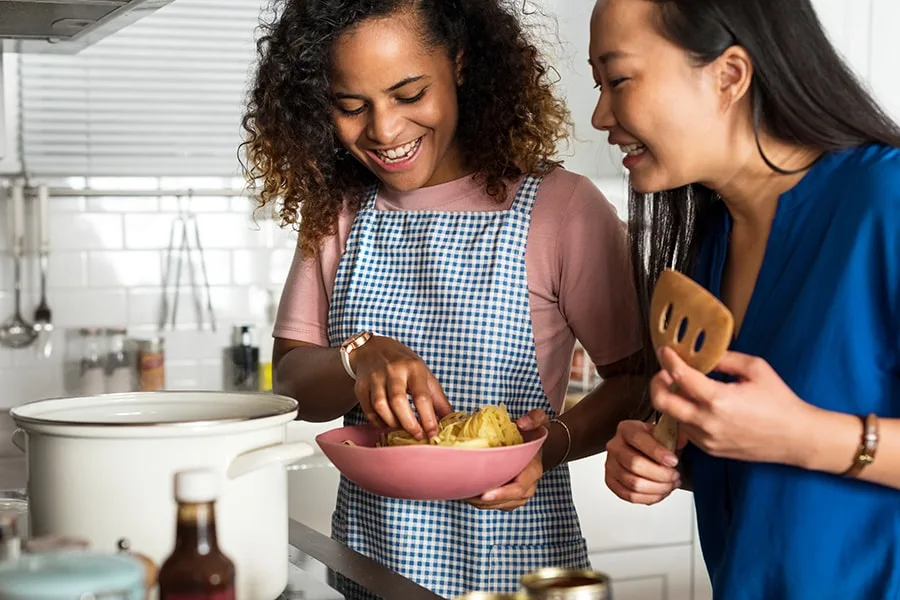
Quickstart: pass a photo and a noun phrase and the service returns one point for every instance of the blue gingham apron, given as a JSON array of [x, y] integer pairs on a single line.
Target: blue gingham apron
[[452, 286]]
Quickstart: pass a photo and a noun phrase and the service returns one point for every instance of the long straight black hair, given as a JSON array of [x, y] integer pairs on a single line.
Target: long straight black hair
[[802, 92]]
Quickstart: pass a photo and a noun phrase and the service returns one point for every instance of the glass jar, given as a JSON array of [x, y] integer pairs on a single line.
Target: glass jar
[[92, 376], [118, 368], [151, 365]]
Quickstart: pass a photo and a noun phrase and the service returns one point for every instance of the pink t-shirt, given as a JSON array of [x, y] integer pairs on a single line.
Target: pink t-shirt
[[576, 259]]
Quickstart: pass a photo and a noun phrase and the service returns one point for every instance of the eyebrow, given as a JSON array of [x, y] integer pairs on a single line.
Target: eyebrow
[[612, 55], [400, 84]]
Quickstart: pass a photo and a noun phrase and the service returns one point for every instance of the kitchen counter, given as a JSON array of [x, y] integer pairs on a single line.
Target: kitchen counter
[[311, 555]]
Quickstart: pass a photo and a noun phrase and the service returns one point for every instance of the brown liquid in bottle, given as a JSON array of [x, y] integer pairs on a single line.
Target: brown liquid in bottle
[[197, 569]]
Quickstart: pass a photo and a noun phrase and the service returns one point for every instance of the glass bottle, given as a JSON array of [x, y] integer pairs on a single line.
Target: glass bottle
[[197, 569]]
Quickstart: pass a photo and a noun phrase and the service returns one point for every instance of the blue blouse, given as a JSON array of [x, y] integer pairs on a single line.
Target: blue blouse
[[825, 313]]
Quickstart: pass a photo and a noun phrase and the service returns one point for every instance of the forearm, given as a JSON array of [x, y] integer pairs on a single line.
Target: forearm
[[593, 421], [316, 378], [836, 441]]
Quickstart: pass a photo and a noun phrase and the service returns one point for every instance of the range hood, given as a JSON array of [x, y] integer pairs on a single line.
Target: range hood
[[66, 26]]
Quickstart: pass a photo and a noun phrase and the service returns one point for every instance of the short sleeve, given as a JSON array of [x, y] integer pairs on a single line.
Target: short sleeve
[[597, 294], [303, 309]]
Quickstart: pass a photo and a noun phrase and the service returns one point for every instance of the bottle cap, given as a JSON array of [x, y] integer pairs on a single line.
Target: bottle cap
[[196, 485]]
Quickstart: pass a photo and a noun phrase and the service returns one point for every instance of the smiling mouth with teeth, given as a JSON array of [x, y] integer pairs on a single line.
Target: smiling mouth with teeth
[[400, 153], [632, 149]]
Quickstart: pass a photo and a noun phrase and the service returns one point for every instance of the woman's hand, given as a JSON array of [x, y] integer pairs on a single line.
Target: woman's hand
[[638, 468], [520, 490], [387, 374], [757, 418]]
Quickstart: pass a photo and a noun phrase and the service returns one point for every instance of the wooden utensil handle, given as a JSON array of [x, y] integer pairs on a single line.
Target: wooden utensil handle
[[666, 432]]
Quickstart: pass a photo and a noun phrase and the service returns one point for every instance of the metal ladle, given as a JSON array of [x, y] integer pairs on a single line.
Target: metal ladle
[[16, 332]]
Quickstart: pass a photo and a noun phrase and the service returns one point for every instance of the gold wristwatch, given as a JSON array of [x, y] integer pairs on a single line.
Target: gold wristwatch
[[354, 342]]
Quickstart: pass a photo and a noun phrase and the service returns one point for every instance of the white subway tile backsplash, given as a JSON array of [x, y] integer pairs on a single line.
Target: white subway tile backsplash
[[122, 204], [30, 358], [68, 205], [218, 266], [144, 306], [228, 230], [85, 231], [102, 308], [259, 267], [66, 270], [145, 231], [197, 204], [25, 385], [108, 258], [128, 268], [185, 345], [183, 375]]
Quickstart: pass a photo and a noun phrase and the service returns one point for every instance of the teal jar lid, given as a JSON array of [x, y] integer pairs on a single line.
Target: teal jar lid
[[70, 575]]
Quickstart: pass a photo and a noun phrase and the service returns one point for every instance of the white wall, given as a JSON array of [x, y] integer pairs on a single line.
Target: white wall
[[589, 154]]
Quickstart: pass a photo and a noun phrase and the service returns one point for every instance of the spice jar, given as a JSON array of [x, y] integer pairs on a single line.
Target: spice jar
[[92, 377], [151, 365], [118, 370]]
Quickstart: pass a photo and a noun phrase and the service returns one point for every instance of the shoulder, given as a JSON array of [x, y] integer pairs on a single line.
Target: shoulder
[[872, 173], [564, 194]]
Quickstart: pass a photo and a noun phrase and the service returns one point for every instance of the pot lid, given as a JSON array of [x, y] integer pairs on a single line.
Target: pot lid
[[189, 409]]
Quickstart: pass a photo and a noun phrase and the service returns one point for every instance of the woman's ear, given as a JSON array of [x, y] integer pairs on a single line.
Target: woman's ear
[[459, 68], [734, 74]]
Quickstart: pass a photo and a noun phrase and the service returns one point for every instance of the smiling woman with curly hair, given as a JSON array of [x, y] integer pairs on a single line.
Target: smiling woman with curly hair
[[413, 143], [510, 120]]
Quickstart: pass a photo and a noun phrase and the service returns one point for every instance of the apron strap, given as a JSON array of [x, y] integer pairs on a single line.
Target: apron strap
[[371, 195], [527, 194]]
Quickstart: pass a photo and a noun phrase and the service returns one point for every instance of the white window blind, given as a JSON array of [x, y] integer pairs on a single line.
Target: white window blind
[[163, 97]]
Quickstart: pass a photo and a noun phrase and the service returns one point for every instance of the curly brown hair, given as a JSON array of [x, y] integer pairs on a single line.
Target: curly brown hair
[[510, 120]]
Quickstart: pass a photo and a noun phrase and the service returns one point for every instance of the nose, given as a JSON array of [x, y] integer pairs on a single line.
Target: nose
[[603, 118], [384, 126]]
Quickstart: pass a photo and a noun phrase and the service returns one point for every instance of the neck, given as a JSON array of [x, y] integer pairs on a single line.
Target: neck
[[751, 191], [450, 168]]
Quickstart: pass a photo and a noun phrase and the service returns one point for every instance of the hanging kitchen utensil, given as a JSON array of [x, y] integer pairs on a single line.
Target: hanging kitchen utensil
[[16, 332], [183, 226], [43, 324], [691, 321]]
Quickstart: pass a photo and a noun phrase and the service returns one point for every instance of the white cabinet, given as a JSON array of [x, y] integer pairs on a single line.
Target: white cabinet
[[663, 573], [649, 551], [702, 585]]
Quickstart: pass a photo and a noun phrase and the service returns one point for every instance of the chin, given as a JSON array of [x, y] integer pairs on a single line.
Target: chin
[[403, 182], [648, 184]]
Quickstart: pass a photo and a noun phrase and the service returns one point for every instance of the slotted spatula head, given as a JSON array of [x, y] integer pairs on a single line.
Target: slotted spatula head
[[690, 320]]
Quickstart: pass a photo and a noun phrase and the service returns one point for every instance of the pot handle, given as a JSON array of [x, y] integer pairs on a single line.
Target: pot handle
[[18, 439], [316, 461], [264, 457]]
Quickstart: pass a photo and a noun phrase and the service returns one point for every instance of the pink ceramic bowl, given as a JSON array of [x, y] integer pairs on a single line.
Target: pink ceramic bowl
[[425, 472]]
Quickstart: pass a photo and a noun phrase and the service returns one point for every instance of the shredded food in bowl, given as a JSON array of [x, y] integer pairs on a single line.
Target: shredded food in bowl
[[489, 427]]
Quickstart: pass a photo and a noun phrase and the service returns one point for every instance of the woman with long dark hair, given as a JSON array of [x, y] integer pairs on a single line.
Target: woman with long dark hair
[[762, 168]]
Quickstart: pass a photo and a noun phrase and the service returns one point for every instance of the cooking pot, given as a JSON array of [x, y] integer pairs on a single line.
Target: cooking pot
[[101, 468]]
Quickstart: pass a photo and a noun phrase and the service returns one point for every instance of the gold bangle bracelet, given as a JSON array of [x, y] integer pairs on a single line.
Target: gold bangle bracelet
[[865, 456], [565, 456]]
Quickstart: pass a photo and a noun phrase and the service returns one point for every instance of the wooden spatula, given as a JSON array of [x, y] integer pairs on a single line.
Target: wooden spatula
[[690, 320]]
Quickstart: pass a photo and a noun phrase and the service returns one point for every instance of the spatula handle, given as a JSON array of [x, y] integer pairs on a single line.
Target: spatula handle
[[666, 432]]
